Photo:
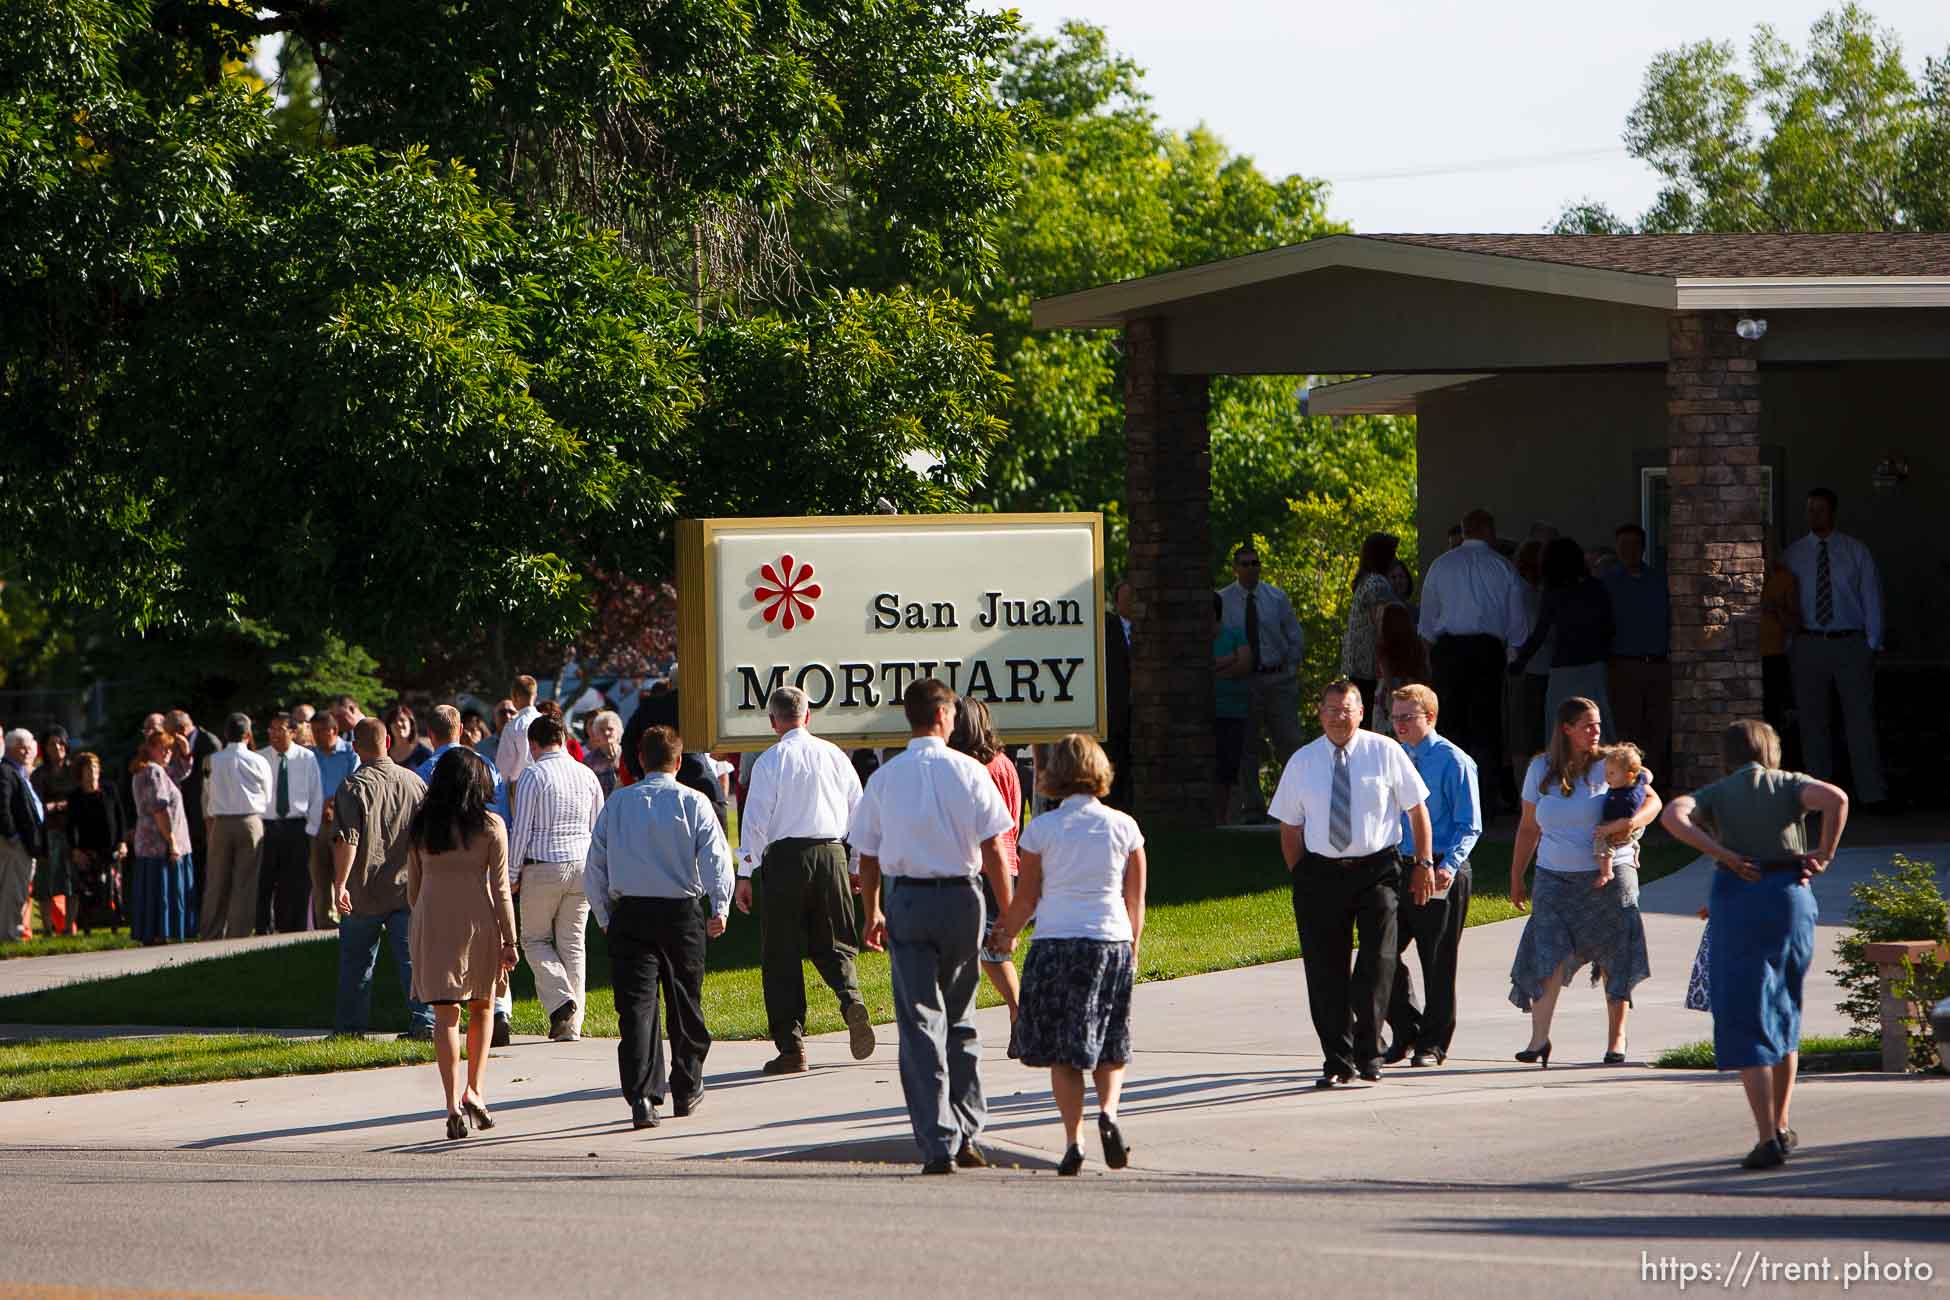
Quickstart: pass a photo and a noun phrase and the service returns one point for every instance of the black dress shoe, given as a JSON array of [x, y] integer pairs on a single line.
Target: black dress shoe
[[643, 1113], [1422, 1058], [1398, 1052], [1372, 1073], [684, 1107], [971, 1157], [1072, 1163], [1332, 1077], [1770, 1154], [1614, 1058], [502, 1030], [939, 1165]]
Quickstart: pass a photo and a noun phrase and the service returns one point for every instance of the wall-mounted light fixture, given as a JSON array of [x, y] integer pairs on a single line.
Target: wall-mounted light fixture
[[1750, 328], [1892, 469]]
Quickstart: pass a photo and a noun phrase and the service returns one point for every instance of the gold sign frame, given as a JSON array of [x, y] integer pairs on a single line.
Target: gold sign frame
[[697, 599]]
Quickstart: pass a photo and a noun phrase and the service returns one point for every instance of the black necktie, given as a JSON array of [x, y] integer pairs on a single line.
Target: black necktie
[[284, 789], [1252, 626], [1824, 587]]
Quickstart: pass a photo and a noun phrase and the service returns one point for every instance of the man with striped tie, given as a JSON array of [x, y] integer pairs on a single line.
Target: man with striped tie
[[1340, 805], [1840, 636]]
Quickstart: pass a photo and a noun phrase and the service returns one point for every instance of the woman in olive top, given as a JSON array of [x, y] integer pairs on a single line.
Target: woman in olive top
[[1764, 912]]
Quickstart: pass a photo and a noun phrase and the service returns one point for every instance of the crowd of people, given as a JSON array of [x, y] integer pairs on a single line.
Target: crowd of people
[[427, 841]]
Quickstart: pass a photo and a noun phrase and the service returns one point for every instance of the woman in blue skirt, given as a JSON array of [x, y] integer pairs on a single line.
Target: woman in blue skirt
[[1750, 822]]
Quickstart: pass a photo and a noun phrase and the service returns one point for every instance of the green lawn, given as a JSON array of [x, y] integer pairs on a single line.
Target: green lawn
[[52, 1068], [99, 941], [1699, 1056], [1218, 900]]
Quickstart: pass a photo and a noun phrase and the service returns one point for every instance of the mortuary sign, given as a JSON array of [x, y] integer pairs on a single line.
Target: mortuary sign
[[1006, 609]]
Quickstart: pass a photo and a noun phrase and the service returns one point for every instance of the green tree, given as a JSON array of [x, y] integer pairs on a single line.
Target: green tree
[[1835, 137], [456, 340], [1313, 557], [1107, 193]]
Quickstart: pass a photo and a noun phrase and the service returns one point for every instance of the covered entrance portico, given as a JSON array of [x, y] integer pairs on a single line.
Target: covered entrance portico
[[1584, 380]]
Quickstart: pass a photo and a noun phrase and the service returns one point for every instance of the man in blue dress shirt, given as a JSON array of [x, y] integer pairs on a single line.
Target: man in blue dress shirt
[[1435, 927], [659, 881]]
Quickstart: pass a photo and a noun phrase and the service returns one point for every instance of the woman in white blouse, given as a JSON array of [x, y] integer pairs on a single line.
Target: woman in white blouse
[[1081, 876]]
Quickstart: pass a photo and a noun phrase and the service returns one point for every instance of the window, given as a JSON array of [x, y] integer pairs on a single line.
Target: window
[[1655, 507]]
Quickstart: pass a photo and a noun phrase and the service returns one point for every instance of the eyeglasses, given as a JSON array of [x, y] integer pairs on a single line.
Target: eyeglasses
[[1338, 713], [1407, 717]]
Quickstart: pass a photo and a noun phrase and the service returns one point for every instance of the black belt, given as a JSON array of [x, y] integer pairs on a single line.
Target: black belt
[[1639, 659], [1835, 636], [1364, 860], [802, 841], [1470, 636], [933, 882]]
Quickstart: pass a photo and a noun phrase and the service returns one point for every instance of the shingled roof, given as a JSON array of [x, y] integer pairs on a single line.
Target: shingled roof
[[1712, 255]]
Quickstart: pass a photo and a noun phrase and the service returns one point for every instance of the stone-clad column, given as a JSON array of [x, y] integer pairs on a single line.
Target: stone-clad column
[[1168, 491], [1715, 564]]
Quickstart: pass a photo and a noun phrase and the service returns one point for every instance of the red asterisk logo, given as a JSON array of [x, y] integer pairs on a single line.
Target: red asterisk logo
[[787, 593]]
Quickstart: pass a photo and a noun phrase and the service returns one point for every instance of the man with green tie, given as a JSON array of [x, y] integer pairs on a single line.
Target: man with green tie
[[283, 877]]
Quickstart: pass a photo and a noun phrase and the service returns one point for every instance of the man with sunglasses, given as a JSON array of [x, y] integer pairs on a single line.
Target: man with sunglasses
[[1264, 616]]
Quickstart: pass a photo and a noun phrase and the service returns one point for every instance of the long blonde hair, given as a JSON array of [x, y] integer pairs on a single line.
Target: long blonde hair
[[1557, 757]]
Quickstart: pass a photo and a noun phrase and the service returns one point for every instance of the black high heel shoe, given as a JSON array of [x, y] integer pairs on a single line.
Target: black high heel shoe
[[456, 1126], [478, 1113], [1541, 1055], [1072, 1163], [1116, 1154]]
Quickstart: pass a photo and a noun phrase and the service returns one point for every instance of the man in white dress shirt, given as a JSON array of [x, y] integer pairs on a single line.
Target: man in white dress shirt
[[1473, 617], [801, 797], [930, 820], [1340, 805], [283, 872], [511, 742], [236, 795], [1840, 636], [1264, 616], [557, 802]]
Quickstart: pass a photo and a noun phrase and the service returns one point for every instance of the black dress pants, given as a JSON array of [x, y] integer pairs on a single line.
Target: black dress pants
[[655, 941], [805, 912], [1332, 897], [284, 876], [1435, 929], [1468, 673]]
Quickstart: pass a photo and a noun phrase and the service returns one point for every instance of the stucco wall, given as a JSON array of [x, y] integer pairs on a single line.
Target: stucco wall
[[1562, 447]]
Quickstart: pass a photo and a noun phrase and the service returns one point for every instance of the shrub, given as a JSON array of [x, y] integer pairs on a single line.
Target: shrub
[[1902, 902]]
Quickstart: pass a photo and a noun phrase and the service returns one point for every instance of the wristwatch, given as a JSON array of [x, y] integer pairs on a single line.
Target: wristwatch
[[1426, 862]]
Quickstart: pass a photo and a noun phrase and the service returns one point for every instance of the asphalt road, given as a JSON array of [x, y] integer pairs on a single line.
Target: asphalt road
[[423, 1226]]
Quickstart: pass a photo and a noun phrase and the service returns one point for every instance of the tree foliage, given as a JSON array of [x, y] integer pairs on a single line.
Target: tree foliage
[[406, 334], [1848, 139], [1107, 193], [1314, 556]]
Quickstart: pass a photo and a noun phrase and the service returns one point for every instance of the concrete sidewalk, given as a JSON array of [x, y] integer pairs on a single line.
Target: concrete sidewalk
[[1221, 1085]]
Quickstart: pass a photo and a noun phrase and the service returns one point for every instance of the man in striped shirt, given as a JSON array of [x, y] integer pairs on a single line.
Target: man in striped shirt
[[557, 801]]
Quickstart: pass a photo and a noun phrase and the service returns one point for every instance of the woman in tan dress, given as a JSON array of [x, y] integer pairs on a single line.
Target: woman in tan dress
[[462, 933]]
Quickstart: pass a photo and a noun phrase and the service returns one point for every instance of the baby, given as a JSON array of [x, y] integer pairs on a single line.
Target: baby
[[1614, 843]]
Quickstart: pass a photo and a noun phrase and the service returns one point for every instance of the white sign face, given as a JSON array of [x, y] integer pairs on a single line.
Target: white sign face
[[1004, 609]]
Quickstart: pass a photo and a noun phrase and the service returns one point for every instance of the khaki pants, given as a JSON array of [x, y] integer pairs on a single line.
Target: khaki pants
[[324, 908], [230, 878], [554, 920], [16, 884]]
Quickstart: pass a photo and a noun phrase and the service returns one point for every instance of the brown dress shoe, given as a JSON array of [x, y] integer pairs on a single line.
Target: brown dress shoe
[[786, 1063]]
